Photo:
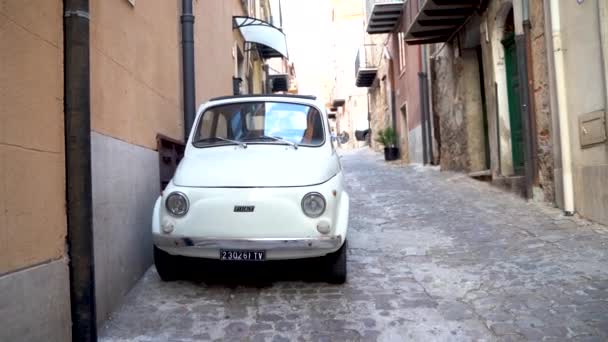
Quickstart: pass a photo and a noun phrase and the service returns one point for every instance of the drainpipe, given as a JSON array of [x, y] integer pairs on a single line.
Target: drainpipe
[[421, 81], [79, 202], [187, 19], [526, 108], [531, 101], [369, 120], [427, 135], [560, 101]]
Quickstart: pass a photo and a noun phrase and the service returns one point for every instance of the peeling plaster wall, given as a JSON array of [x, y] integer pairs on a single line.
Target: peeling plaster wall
[[457, 101], [380, 116], [542, 103]]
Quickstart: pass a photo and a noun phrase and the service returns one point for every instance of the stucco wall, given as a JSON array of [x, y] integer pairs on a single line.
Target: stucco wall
[[214, 41], [34, 281], [32, 177], [586, 93], [407, 88], [135, 70]]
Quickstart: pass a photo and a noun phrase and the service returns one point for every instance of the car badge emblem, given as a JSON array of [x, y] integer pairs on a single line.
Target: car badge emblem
[[244, 208]]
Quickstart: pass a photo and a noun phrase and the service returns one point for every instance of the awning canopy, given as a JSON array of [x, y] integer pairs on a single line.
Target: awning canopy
[[271, 38], [438, 20]]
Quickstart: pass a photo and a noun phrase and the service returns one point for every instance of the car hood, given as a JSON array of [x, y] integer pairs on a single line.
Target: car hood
[[256, 166]]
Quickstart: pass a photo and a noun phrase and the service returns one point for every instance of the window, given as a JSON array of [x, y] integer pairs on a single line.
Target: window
[[260, 123], [401, 38]]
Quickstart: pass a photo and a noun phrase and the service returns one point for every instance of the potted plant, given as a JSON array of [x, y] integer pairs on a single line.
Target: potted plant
[[388, 138]]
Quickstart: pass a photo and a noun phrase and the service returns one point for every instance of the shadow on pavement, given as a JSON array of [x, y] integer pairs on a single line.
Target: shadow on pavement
[[251, 274]]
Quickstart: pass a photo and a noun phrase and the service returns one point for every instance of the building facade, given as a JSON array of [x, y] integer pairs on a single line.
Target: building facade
[[519, 88], [347, 102], [34, 273], [397, 79], [577, 35], [127, 58], [489, 90]]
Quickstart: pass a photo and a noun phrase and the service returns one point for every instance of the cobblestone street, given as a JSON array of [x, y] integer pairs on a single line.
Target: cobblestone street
[[433, 256]]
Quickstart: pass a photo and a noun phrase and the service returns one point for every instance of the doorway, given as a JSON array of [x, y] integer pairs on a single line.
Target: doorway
[[513, 91]]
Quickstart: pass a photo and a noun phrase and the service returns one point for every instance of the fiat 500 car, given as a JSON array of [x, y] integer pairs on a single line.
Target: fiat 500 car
[[260, 180]]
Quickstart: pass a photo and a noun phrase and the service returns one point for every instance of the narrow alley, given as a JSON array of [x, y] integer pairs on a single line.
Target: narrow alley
[[434, 256]]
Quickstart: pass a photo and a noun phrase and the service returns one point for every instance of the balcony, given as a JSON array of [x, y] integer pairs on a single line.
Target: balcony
[[438, 20], [278, 82], [383, 15], [365, 67]]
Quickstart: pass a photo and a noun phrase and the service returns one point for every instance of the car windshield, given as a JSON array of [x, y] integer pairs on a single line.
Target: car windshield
[[260, 123]]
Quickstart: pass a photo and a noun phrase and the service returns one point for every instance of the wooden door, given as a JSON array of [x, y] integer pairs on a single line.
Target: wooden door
[[513, 88]]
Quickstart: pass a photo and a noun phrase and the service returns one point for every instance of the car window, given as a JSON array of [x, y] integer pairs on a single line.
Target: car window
[[261, 123]]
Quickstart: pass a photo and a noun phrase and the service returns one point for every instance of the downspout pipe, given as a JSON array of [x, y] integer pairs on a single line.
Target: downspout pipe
[[527, 25], [427, 127], [561, 103], [423, 118], [79, 202], [189, 91], [526, 108]]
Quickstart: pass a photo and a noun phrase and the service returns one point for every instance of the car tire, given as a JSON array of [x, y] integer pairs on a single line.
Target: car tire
[[166, 265], [337, 265]]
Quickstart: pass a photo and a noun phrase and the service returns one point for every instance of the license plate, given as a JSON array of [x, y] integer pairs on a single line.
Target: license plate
[[232, 255]]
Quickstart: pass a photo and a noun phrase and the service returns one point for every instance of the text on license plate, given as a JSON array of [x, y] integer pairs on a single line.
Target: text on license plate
[[242, 255]]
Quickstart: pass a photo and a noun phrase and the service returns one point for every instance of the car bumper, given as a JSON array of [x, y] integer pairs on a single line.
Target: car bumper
[[276, 248]]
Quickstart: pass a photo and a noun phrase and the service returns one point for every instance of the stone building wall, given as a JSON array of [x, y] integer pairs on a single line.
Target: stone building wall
[[542, 104], [451, 118], [380, 116]]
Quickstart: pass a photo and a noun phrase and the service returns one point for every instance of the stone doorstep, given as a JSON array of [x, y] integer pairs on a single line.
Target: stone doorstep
[[515, 184]]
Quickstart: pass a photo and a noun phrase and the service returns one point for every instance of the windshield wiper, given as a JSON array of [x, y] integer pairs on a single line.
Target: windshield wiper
[[240, 143], [290, 143]]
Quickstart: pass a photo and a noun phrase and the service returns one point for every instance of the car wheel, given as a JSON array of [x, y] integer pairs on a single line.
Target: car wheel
[[337, 267], [166, 265]]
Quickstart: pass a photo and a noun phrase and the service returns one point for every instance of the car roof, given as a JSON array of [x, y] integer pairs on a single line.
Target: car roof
[[285, 96], [302, 99]]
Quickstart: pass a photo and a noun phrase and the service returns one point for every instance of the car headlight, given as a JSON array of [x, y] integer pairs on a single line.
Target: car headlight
[[313, 204], [177, 204]]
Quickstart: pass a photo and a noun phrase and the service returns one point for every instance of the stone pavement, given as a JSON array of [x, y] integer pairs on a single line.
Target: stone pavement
[[434, 256]]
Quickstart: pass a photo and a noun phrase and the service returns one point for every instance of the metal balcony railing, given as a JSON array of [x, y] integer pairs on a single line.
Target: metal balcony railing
[[366, 65]]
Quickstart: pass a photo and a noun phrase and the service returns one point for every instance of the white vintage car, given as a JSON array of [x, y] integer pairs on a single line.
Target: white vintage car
[[260, 180]]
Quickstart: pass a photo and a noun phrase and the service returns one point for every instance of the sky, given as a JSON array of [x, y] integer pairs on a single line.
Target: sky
[[307, 24]]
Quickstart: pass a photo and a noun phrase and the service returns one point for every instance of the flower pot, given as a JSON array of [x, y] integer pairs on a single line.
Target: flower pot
[[391, 153]]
